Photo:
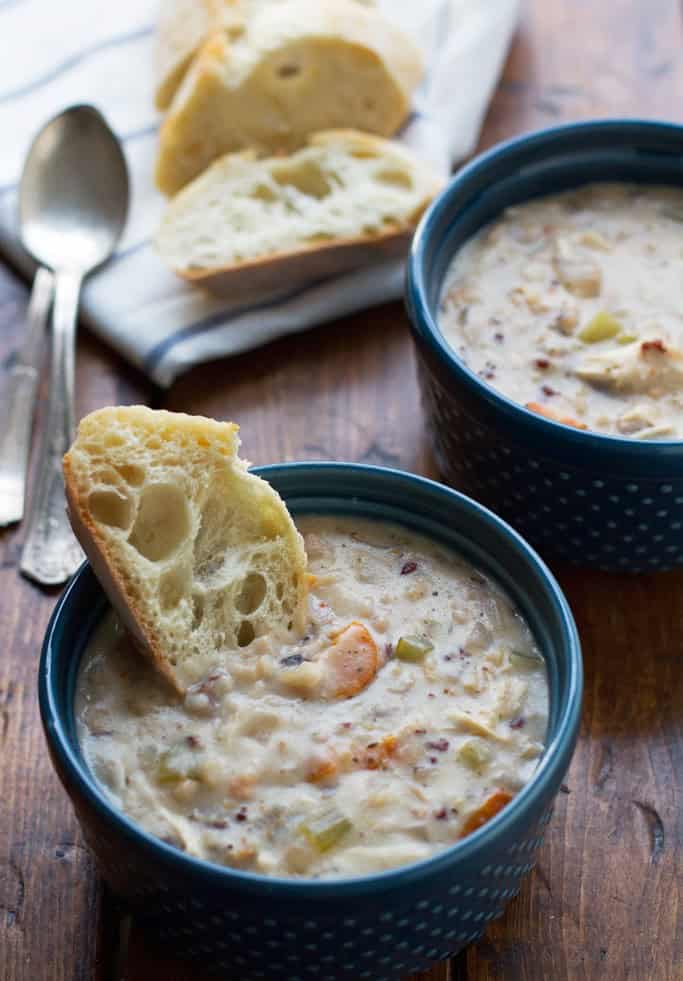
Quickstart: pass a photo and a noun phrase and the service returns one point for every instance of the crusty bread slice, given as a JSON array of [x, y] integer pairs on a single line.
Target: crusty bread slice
[[297, 68], [184, 24], [248, 224], [197, 555], [181, 28]]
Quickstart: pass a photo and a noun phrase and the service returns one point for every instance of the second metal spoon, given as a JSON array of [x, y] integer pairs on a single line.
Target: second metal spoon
[[73, 205]]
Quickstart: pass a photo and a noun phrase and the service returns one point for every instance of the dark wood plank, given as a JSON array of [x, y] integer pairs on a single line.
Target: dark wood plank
[[604, 902], [49, 907], [146, 960], [346, 392]]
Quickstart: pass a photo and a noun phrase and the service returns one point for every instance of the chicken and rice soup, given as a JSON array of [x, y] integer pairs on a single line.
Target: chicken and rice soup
[[572, 306], [412, 710]]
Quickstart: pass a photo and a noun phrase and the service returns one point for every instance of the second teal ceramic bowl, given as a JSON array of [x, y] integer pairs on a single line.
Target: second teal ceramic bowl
[[593, 499], [376, 927]]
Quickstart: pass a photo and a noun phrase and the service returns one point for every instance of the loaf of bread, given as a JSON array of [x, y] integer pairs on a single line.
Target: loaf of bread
[[184, 24], [197, 555], [290, 69], [249, 224]]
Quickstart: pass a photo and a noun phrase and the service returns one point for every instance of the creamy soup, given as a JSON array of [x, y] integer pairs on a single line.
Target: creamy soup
[[413, 709], [573, 306]]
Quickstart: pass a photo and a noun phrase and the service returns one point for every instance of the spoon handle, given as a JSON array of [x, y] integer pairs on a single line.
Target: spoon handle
[[51, 553], [19, 397]]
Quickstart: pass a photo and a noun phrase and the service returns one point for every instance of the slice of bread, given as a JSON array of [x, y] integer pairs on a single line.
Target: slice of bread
[[248, 224], [181, 27], [184, 24], [296, 68], [197, 555]]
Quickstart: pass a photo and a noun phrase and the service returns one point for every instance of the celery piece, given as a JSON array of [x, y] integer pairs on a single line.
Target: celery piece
[[522, 659], [475, 754], [412, 648], [602, 327], [325, 831], [626, 338]]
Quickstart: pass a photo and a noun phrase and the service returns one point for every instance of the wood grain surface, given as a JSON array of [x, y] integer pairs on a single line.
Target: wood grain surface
[[605, 900]]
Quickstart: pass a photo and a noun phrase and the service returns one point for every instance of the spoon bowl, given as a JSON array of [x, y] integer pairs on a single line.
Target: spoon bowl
[[73, 197]]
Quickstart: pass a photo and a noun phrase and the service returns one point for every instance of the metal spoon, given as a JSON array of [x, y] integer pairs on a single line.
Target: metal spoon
[[73, 204]]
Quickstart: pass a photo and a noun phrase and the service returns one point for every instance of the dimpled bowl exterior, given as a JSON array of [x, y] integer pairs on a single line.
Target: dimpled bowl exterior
[[592, 499], [377, 927]]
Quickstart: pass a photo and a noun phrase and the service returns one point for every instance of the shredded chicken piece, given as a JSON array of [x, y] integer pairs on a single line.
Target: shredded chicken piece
[[649, 368]]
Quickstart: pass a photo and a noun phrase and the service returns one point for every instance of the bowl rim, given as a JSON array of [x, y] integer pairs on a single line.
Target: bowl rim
[[552, 763], [425, 326]]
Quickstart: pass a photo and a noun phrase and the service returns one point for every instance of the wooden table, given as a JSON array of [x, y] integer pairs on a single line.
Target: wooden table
[[604, 902]]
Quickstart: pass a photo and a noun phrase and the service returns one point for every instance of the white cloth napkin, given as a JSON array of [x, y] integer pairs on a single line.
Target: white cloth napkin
[[57, 54]]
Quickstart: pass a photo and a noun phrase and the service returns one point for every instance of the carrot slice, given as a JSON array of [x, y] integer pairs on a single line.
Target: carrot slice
[[375, 756], [351, 663], [545, 410], [322, 769], [495, 803]]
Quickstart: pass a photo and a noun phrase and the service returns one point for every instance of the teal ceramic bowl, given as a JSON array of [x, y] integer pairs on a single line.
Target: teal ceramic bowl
[[376, 927], [592, 499]]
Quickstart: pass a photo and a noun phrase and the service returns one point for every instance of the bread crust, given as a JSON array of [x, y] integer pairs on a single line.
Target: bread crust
[[295, 269], [181, 28]]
